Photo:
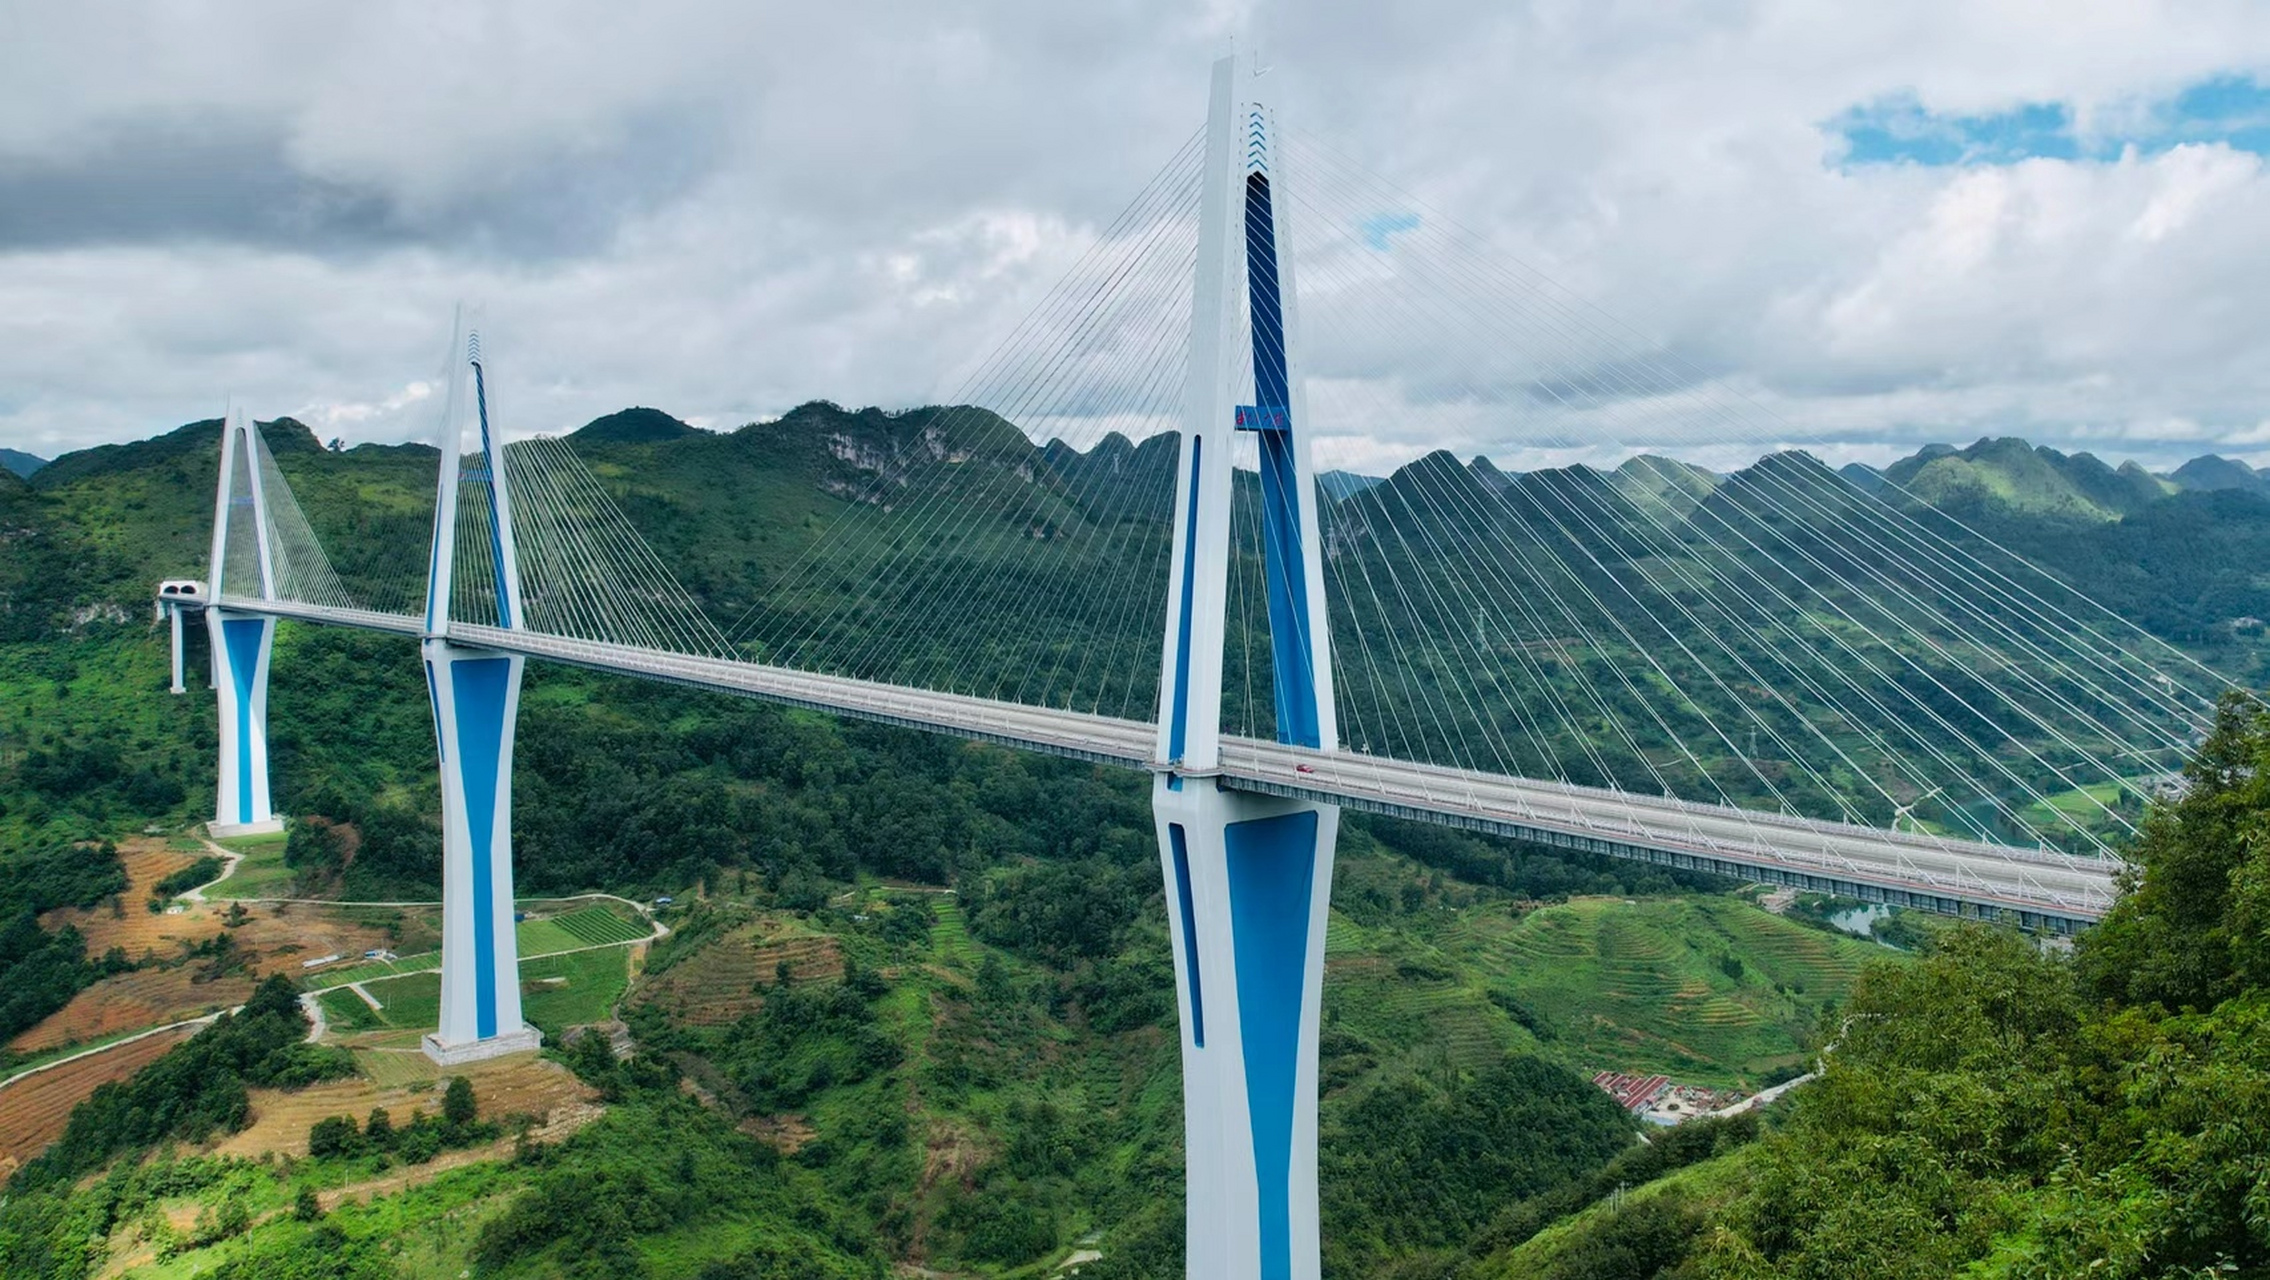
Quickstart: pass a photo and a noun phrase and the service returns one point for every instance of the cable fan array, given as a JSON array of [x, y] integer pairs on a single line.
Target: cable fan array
[[584, 570], [242, 572], [296, 568], [1773, 639], [980, 562]]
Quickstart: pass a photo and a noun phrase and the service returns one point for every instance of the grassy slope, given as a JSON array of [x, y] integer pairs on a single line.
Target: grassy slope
[[1411, 991], [1640, 984], [1703, 1187]]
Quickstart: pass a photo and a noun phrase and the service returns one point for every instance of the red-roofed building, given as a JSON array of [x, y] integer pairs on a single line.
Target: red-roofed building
[[1631, 1092]]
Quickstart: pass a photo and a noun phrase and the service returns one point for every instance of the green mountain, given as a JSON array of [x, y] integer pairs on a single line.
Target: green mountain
[[19, 464], [973, 1082], [2211, 472], [1589, 567], [632, 426], [2011, 475], [837, 1067], [1674, 488], [1863, 477], [1342, 484]]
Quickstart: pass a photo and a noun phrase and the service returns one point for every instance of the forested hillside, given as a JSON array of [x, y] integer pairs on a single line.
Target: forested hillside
[[915, 1007], [2001, 1110], [918, 990], [1634, 628]]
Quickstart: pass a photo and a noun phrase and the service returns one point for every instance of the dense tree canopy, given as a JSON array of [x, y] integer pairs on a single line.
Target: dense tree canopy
[[2003, 1110]]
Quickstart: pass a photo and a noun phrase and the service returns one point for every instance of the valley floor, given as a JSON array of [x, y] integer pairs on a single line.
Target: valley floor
[[1438, 984]]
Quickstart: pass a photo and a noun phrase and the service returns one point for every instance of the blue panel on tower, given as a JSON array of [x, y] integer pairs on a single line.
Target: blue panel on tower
[[1267, 308], [1178, 719], [1272, 872], [1283, 563], [433, 696], [242, 637], [481, 688], [1180, 844]]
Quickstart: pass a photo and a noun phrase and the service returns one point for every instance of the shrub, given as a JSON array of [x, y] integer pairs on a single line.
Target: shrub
[[196, 873], [459, 1108], [379, 1129], [333, 1136]]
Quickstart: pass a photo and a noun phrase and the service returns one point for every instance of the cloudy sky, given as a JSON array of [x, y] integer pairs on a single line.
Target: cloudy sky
[[1873, 225]]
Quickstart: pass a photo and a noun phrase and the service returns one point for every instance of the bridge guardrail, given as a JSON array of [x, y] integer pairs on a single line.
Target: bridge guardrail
[[1607, 817]]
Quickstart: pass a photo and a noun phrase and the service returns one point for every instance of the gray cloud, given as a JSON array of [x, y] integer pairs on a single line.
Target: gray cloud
[[722, 209], [167, 180], [234, 179]]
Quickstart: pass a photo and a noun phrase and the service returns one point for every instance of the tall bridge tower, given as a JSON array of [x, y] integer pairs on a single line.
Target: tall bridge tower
[[1248, 877], [476, 704], [241, 642]]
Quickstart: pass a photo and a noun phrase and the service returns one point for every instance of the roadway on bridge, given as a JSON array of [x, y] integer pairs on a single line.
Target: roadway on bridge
[[1902, 866]]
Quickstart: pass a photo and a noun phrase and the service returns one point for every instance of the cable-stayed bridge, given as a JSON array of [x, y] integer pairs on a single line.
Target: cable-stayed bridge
[[2039, 888], [1776, 675]]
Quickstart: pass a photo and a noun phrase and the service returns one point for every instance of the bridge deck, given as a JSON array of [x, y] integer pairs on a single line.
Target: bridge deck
[[2039, 888]]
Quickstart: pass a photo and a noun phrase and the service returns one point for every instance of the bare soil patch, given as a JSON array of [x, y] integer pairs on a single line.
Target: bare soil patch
[[34, 1109], [719, 984], [274, 938], [786, 1132], [523, 1084], [132, 1001], [287, 933], [131, 924]]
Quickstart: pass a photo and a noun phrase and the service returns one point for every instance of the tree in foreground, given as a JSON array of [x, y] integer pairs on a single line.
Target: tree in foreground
[[1999, 1109]]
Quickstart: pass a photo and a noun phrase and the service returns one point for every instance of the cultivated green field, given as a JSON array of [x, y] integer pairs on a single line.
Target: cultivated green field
[[260, 873], [1707, 989], [557, 992], [595, 926]]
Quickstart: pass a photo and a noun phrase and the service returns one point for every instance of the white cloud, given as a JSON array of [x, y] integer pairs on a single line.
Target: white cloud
[[721, 210]]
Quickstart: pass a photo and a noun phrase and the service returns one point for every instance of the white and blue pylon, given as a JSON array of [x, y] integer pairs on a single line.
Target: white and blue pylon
[[173, 621], [476, 702], [241, 642], [1248, 877]]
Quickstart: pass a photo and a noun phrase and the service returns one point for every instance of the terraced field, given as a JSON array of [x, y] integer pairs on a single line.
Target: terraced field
[[950, 935], [130, 1002], [34, 1109], [1417, 1003], [1706, 989], [720, 983], [397, 1066], [272, 938], [522, 1083], [148, 859], [596, 926], [593, 926]]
